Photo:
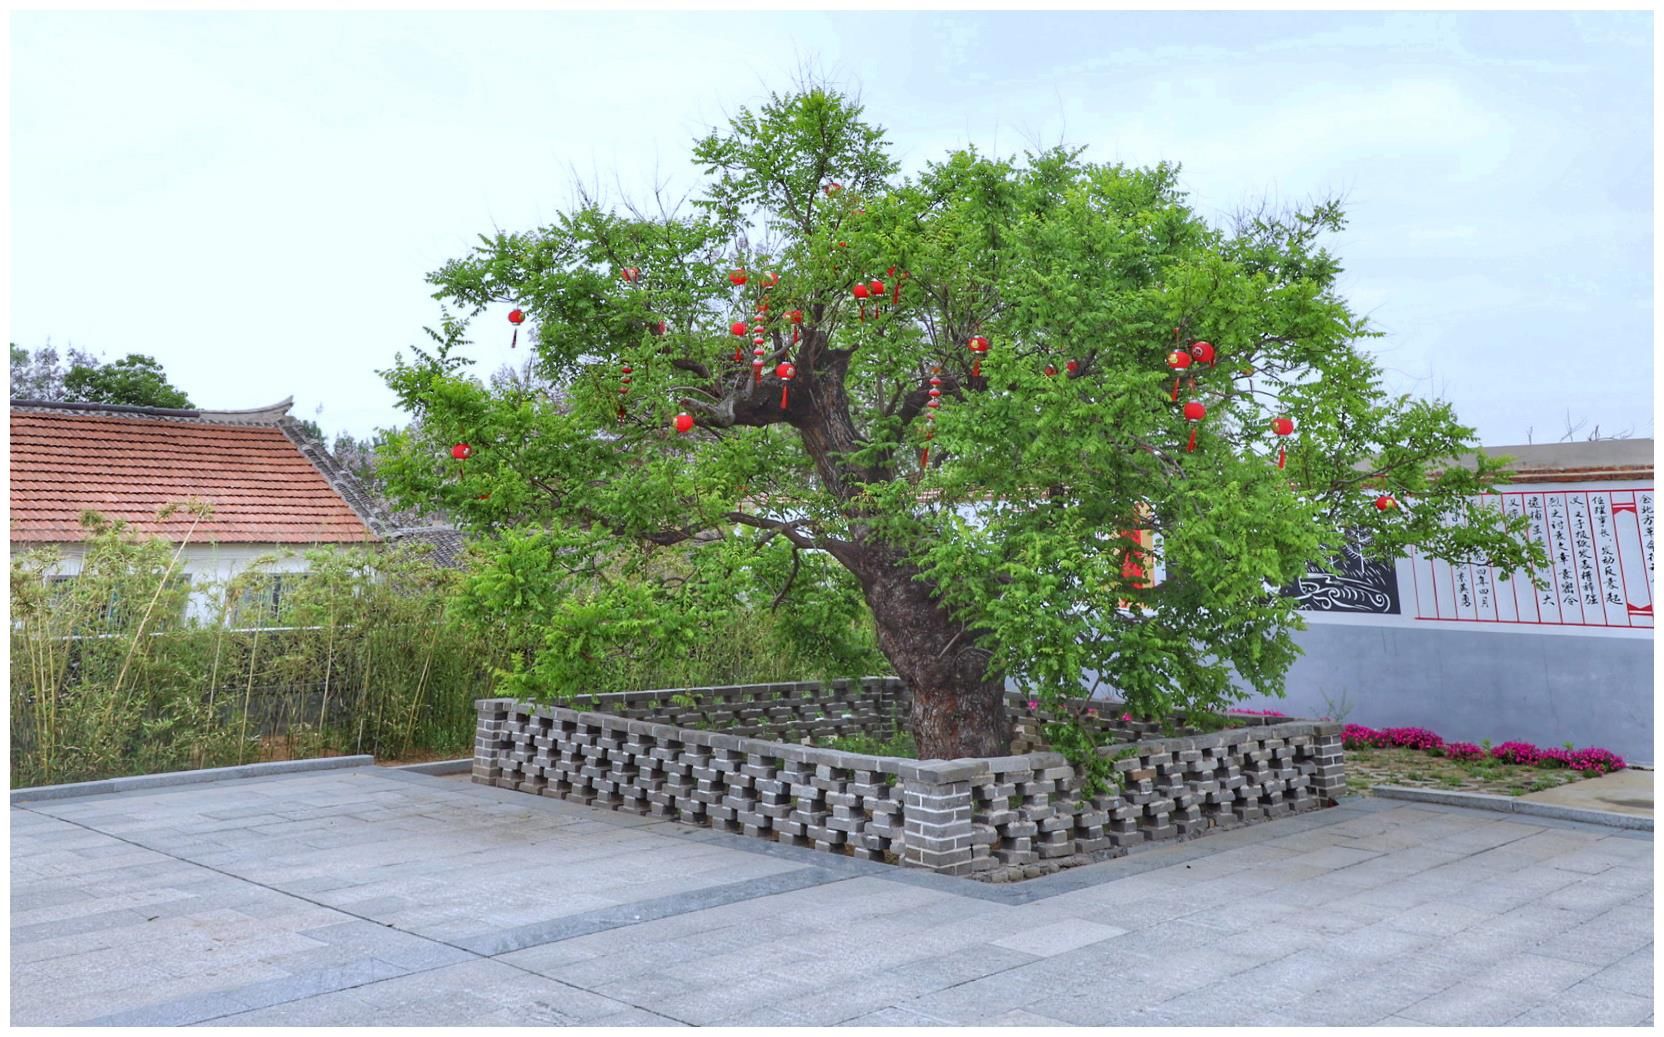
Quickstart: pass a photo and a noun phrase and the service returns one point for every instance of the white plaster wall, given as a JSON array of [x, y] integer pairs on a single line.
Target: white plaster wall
[[208, 566]]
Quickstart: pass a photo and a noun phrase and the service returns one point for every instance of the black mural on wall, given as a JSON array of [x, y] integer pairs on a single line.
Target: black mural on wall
[[1356, 585]]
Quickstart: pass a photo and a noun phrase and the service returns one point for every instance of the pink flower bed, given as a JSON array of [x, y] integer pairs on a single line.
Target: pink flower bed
[[1590, 759]]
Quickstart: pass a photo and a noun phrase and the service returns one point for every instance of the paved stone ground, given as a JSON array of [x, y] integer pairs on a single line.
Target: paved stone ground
[[371, 896], [1628, 791]]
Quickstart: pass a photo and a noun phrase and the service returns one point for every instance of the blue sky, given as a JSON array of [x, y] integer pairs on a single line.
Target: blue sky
[[255, 199]]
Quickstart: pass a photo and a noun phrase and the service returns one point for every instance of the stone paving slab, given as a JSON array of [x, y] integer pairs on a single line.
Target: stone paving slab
[[370, 896]]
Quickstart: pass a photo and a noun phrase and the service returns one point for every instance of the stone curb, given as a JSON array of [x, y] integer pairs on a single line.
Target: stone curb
[[438, 767], [1512, 805], [137, 782]]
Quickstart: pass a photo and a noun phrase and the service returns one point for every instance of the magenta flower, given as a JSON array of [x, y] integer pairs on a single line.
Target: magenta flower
[[1033, 704]]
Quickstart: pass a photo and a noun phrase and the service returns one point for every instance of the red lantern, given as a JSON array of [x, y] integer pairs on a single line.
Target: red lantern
[[462, 451], [737, 329], [1385, 502], [684, 423], [1073, 367], [833, 188], [770, 279], [932, 405], [738, 277], [1194, 412], [516, 317], [1203, 352], [796, 317], [979, 348], [630, 274], [623, 388], [1283, 426], [860, 292], [1178, 360], [785, 372], [659, 328], [1051, 371], [877, 290]]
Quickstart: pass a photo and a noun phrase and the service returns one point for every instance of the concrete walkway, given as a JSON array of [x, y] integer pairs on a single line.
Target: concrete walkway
[[1628, 791], [372, 896]]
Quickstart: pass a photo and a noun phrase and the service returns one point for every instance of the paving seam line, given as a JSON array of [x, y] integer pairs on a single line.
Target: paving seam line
[[372, 921], [1513, 805], [140, 782]]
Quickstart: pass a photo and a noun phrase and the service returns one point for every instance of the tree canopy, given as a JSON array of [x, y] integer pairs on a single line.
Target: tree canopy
[[134, 380], [990, 447]]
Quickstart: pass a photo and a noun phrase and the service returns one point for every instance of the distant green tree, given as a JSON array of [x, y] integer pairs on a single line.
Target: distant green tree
[[135, 380], [40, 375]]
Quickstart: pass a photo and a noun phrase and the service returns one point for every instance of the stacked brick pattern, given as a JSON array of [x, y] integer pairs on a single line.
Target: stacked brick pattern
[[997, 819]]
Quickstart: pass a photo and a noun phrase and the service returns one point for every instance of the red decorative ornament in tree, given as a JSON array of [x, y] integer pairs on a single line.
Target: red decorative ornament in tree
[[462, 451], [860, 292], [738, 330], [1194, 412], [932, 405], [785, 372], [759, 342], [1385, 502], [624, 380], [1073, 367], [738, 277], [979, 349], [877, 290], [796, 317], [1284, 427], [833, 188], [516, 317], [1202, 352], [1178, 360], [630, 274], [659, 328], [770, 279], [1051, 370], [684, 423]]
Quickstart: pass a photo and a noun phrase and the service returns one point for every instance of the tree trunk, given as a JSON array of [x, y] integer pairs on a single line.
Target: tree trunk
[[957, 711]]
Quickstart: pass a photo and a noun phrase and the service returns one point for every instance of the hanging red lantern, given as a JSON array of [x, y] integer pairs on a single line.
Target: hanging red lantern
[[659, 329], [932, 405], [738, 277], [860, 292], [1385, 502], [462, 451], [1283, 426], [1178, 360], [737, 329], [770, 279], [516, 317], [833, 188], [1194, 412], [1202, 352], [796, 317], [877, 290], [1051, 371], [684, 423], [623, 387], [1073, 367], [785, 372], [630, 274], [979, 348]]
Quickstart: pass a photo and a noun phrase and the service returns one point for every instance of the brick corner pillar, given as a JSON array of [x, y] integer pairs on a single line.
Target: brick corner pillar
[[936, 815], [1329, 780], [489, 741]]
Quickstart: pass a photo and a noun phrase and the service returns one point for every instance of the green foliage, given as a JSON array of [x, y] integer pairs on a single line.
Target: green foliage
[[900, 743], [1015, 524], [135, 379]]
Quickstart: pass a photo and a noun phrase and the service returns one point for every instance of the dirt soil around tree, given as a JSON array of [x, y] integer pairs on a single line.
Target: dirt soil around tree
[[1366, 768]]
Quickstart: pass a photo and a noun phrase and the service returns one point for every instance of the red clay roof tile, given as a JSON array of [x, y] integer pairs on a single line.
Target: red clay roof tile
[[262, 489]]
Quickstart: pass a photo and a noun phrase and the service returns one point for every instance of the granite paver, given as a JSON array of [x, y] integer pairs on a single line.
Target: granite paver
[[366, 896]]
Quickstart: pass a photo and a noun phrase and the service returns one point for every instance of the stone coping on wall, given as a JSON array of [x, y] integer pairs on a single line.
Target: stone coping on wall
[[996, 818]]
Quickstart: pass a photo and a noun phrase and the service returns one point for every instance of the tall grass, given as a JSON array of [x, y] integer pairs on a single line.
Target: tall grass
[[369, 652]]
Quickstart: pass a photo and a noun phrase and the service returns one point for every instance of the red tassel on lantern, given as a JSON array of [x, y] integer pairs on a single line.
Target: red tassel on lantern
[[1178, 360], [1283, 426], [624, 388], [1194, 412], [796, 317], [516, 317]]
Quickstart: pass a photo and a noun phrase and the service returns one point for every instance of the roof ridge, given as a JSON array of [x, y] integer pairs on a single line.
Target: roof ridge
[[270, 414]]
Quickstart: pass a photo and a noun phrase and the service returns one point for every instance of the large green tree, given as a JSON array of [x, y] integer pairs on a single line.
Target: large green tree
[[134, 380], [987, 535]]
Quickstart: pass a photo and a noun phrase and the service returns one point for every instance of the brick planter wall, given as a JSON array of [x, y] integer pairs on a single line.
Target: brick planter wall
[[995, 819]]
